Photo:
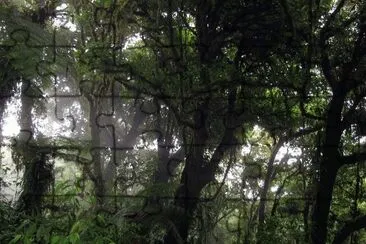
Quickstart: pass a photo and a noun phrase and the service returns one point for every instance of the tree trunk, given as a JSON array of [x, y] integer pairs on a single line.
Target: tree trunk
[[267, 183], [96, 153], [323, 201], [198, 172], [30, 198], [328, 167], [193, 177], [187, 198], [2, 110], [306, 219]]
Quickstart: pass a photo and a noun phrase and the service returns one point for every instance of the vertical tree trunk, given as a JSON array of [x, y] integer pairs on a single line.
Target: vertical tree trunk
[[306, 219], [267, 183], [328, 167], [30, 198], [323, 201], [186, 198], [193, 177], [96, 152], [2, 110]]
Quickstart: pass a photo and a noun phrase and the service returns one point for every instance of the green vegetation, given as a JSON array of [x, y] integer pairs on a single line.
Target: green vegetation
[[183, 121]]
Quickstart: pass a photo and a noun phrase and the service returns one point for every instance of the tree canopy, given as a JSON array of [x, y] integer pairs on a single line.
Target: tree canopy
[[183, 121]]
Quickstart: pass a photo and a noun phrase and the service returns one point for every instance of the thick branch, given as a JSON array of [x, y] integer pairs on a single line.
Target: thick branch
[[327, 67], [349, 228], [270, 167], [267, 181], [324, 35], [303, 132], [353, 158]]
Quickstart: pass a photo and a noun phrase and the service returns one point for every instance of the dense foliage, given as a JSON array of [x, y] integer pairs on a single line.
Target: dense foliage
[[183, 121]]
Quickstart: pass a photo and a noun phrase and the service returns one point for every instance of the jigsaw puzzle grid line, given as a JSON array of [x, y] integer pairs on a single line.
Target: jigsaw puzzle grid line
[[43, 70]]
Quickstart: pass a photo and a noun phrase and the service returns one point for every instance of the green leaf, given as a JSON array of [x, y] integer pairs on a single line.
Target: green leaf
[[31, 229], [27, 240], [55, 239], [100, 219], [77, 227], [74, 238], [16, 239], [40, 233]]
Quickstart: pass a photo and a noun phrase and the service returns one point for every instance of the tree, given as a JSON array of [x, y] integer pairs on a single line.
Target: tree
[[344, 79], [18, 72], [211, 93], [167, 32]]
